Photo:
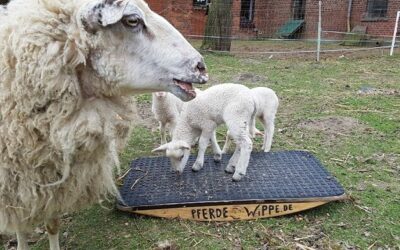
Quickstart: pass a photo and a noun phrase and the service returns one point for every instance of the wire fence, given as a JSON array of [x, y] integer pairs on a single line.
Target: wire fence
[[286, 27]]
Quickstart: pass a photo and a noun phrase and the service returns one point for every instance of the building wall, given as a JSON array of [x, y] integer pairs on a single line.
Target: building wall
[[236, 30], [334, 18], [382, 27], [189, 20], [270, 15]]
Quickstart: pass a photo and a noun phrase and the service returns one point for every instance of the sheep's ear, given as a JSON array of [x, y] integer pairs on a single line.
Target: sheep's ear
[[106, 12], [113, 11], [161, 148]]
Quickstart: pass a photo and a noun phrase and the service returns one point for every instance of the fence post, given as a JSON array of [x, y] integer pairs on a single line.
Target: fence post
[[396, 25], [319, 30]]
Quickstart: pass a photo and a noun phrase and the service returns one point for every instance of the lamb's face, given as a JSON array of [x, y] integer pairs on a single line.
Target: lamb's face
[[178, 152], [139, 50]]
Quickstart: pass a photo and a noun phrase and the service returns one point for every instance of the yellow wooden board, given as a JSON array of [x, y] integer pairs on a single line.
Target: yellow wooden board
[[229, 212]]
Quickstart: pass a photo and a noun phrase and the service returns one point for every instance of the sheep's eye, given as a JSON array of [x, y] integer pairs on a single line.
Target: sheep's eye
[[131, 21], [180, 158]]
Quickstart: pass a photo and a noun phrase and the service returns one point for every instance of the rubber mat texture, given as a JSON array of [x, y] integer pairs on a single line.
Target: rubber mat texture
[[270, 176]]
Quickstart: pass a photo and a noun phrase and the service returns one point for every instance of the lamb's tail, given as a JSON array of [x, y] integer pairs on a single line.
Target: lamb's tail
[[253, 115], [252, 125]]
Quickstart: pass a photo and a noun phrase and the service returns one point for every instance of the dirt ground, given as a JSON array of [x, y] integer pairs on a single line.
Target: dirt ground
[[146, 116], [334, 126]]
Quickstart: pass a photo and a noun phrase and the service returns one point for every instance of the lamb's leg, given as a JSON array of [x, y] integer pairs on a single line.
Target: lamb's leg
[[52, 227], [163, 133], [269, 128], [239, 132], [215, 147], [230, 168], [22, 240], [172, 126], [246, 146], [227, 143], [252, 128], [203, 143], [258, 132]]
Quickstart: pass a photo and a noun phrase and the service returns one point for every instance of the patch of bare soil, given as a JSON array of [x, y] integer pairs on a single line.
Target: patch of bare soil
[[9, 242], [333, 126], [249, 78], [369, 91], [166, 245], [146, 117], [389, 163], [4, 239], [312, 237]]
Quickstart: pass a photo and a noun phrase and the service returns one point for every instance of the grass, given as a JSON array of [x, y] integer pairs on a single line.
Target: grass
[[363, 155]]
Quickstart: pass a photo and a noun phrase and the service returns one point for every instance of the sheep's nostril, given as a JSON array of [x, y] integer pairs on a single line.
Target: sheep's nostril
[[201, 67]]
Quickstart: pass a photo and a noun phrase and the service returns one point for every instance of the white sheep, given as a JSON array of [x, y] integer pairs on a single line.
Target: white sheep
[[231, 104], [66, 69], [267, 104], [166, 109]]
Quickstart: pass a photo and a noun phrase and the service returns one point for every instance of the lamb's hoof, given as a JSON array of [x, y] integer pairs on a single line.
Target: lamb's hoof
[[217, 157], [196, 167], [237, 176], [230, 169], [266, 150]]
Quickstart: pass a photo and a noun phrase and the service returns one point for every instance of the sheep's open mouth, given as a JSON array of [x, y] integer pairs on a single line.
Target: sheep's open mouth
[[186, 87]]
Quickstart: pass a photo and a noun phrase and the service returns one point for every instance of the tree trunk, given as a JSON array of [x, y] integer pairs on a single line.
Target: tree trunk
[[219, 26]]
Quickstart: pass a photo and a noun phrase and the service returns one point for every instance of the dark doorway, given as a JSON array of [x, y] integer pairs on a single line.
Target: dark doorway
[[299, 9], [247, 14]]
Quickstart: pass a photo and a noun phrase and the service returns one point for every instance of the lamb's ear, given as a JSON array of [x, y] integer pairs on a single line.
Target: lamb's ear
[[161, 94], [183, 145], [106, 12], [161, 148]]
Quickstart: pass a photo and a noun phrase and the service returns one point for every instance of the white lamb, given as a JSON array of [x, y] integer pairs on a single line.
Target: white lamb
[[267, 103], [66, 71], [231, 104], [3, 10], [166, 108]]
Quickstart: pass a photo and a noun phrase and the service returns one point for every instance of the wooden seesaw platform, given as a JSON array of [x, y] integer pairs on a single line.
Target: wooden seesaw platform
[[276, 183]]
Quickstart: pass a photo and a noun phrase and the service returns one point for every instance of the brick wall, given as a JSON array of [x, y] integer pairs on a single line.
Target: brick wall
[[334, 18], [382, 27], [270, 15], [189, 20]]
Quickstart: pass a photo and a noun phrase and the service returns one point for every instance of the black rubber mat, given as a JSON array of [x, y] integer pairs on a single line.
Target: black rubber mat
[[289, 175]]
